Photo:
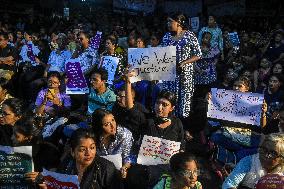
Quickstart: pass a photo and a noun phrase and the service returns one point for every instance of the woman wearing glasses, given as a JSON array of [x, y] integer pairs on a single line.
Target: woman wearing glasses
[[52, 97], [269, 159], [183, 174]]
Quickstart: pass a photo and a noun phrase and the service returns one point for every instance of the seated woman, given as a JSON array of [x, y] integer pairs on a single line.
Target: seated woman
[[163, 124], [11, 111], [249, 170], [183, 173], [111, 138], [93, 171], [231, 147], [52, 97]]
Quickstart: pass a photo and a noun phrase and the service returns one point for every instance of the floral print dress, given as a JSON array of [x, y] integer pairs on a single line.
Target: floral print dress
[[183, 86]]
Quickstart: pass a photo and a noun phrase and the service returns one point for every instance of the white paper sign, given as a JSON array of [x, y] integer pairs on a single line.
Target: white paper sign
[[194, 23], [115, 159], [49, 129], [235, 106], [154, 150], [110, 64], [154, 63], [59, 181]]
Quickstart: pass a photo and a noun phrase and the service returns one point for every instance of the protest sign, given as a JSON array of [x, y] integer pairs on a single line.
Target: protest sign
[[95, 41], [235, 106], [154, 150], [49, 129], [55, 180], [115, 159], [194, 23], [155, 63], [271, 181], [110, 64], [76, 82], [14, 163], [234, 38]]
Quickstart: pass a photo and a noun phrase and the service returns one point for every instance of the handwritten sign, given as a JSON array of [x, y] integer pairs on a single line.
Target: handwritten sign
[[235, 106], [271, 181], [234, 38], [115, 159], [76, 83], [95, 41], [154, 150], [14, 163], [194, 23], [155, 63], [110, 64], [60, 181]]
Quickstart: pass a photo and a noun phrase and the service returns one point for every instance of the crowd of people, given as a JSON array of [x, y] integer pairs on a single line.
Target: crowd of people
[[113, 118]]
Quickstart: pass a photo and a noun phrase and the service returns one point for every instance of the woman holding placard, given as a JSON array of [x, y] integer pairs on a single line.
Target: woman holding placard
[[187, 53], [112, 139]]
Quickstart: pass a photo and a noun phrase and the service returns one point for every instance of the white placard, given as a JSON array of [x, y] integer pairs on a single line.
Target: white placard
[[110, 64], [154, 63], [154, 150], [115, 159], [49, 129], [60, 181], [235, 106], [194, 23]]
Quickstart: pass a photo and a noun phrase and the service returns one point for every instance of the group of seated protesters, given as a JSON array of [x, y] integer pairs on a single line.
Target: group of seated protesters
[[71, 134]]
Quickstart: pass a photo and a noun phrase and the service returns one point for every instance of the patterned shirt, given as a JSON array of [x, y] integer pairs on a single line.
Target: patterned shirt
[[28, 53], [88, 58], [105, 100], [122, 144], [57, 60]]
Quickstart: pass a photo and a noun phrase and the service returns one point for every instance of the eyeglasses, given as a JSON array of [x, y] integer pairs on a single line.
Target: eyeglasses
[[270, 154], [188, 173], [53, 82], [3, 114]]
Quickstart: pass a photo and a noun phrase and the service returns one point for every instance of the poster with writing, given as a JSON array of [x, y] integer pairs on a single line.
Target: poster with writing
[[154, 150], [154, 63], [234, 38], [235, 106], [115, 159], [76, 82], [110, 64], [271, 181], [95, 41], [49, 128], [55, 180], [194, 23], [14, 163]]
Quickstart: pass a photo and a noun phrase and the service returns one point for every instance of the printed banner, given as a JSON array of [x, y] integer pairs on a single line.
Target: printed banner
[[271, 181], [49, 128], [76, 82], [234, 38], [235, 106], [146, 6], [194, 23], [14, 163], [154, 150], [96, 41], [115, 159], [60, 181], [155, 63], [110, 64]]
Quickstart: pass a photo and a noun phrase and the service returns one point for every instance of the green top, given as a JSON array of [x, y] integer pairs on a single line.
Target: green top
[[166, 180]]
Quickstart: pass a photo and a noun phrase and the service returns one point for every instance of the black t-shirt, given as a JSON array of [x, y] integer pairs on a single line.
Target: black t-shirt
[[6, 52]]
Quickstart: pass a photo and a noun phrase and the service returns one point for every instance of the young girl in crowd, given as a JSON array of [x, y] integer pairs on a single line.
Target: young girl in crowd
[[183, 174]]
